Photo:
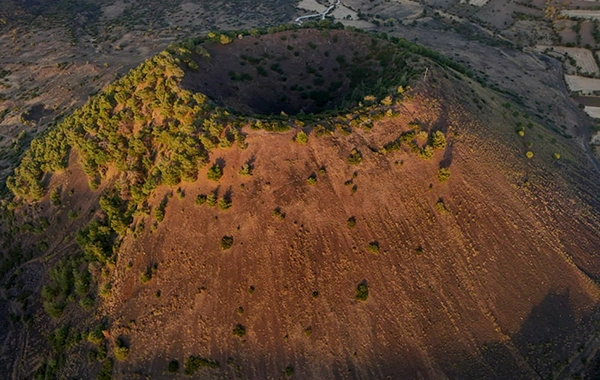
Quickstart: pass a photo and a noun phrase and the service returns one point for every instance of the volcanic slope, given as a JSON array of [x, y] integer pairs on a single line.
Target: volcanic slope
[[334, 248]]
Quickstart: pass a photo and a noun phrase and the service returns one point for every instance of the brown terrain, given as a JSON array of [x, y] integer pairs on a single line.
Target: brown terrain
[[489, 275], [493, 274]]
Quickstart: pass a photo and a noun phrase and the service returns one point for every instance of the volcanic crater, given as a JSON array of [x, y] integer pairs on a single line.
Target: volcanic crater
[[296, 71]]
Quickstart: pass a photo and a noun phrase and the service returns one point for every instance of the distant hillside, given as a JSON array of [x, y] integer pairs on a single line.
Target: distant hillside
[[300, 202]]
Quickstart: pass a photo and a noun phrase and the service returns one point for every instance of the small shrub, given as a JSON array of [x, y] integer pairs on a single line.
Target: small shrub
[[159, 213], [556, 156], [105, 290], [426, 152], [245, 171], [312, 180], [443, 175], [86, 302], [422, 135], [441, 207], [146, 277], [96, 336], [529, 154], [289, 370], [173, 366], [438, 140], [55, 197], [211, 200], [225, 39], [355, 157], [362, 292], [301, 138], [373, 247], [224, 203], [102, 354], [239, 330], [351, 222], [277, 213], [308, 331], [200, 199], [215, 173], [121, 351], [107, 370], [226, 242], [194, 363]]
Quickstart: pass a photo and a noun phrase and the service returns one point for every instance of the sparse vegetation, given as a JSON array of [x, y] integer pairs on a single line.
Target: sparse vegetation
[[173, 366], [96, 336], [351, 222], [211, 199], [55, 197], [159, 212], [215, 173], [373, 247], [224, 203], [121, 351], [441, 207], [245, 170], [355, 157], [278, 213], [443, 174], [194, 363], [200, 199], [438, 140], [289, 370], [239, 330], [146, 276], [362, 292], [226, 242], [301, 138]]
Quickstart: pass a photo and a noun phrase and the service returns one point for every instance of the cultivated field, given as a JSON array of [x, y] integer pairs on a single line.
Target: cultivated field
[[586, 86], [595, 113], [477, 3], [593, 15], [584, 58]]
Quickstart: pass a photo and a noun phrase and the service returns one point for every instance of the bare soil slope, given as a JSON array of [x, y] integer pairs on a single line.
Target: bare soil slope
[[492, 274], [498, 286]]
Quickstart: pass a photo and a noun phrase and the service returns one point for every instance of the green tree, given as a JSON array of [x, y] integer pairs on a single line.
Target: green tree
[[443, 174], [438, 140], [362, 292], [301, 137], [215, 173]]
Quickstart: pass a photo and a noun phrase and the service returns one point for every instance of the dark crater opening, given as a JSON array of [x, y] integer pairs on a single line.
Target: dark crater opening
[[297, 71]]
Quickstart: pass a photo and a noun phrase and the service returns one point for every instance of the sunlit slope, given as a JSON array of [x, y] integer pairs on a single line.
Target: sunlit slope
[[425, 232]]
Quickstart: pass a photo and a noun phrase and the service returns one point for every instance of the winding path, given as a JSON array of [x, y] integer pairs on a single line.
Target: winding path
[[322, 15]]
